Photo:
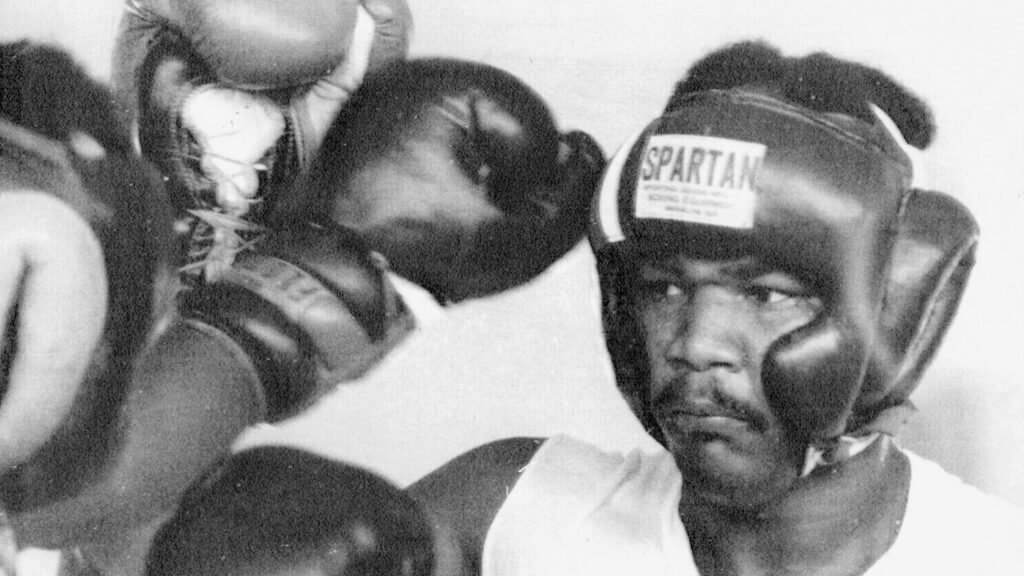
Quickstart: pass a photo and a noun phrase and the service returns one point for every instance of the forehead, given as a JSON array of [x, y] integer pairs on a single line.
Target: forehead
[[695, 270]]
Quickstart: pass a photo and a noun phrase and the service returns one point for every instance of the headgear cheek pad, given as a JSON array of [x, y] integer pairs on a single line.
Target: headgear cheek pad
[[931, 262], [826, 198]]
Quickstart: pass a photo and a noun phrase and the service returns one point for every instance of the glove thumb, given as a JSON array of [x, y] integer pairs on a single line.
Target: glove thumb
[[315, 110]]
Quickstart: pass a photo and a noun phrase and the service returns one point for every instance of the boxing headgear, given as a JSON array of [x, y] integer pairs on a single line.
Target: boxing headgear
[[825, 197]]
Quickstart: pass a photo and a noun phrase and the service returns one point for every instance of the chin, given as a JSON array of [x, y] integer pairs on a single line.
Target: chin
[[716, 475]]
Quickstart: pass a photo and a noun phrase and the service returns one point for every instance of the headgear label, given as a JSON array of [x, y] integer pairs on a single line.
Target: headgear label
[[700, 179]]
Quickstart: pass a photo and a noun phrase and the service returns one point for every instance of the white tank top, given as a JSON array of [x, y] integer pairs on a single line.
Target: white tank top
[[579, 510]]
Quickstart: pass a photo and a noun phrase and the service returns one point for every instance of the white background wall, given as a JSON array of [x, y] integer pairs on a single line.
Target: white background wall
[[531, 362]]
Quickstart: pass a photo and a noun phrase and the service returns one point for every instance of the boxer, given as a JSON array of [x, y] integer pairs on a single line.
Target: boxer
[[120, 387], [775, 280]]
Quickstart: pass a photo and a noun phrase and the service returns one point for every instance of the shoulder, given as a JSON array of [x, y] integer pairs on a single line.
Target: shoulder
[[931, 485], [492, 465], [465, 494], [953, 523]]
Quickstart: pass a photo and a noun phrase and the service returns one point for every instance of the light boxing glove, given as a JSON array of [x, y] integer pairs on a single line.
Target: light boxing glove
[[314, 54], [311, 307], [86, 236], [275, 510], [456, 172], [826, 195], [86, 275], [232, 98]]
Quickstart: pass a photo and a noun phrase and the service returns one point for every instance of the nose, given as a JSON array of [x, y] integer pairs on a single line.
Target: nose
[[709, 335]]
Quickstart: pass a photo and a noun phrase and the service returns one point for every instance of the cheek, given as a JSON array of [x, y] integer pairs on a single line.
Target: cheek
[[759, 339], [658, 329], [768, 324], [765, 329]]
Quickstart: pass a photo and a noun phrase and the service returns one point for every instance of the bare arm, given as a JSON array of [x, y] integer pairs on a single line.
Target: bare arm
[[464, 495]]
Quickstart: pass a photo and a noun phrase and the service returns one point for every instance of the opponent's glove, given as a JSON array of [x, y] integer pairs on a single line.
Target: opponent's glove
[[312, 308], [234, 96], [316, 51], [53, 295], [276, 509], [84, 237], [457, 173]]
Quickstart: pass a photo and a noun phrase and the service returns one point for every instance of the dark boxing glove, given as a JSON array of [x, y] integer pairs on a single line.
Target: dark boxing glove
[[311, 307], [456, 172], [308, 308], [274, 510]]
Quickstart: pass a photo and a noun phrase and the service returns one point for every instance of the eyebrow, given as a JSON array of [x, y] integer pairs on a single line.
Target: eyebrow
[[743, 269], [752, 268]]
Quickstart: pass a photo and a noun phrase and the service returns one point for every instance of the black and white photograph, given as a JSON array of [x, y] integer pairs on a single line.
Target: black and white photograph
[[511, 288]]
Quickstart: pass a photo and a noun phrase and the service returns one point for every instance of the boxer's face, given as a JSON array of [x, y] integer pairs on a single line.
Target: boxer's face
[[707, 327]]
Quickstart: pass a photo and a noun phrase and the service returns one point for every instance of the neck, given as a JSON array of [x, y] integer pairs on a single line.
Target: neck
[[837, 521]]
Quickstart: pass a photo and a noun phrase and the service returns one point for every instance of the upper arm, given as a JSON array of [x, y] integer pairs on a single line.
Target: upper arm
[[464, 495]]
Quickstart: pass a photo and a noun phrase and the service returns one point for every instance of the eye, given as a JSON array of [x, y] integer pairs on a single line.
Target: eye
[[766, 296], [660, 289], [777, 298]]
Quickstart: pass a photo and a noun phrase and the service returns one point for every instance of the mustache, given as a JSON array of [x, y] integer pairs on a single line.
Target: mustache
[[703, 396]]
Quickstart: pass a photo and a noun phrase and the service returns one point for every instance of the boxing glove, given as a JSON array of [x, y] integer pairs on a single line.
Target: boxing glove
[[52, 284], [457, 173], [263, 44], [277, 509], [315, 52], [64, 273], [311, 307], [232, 97]]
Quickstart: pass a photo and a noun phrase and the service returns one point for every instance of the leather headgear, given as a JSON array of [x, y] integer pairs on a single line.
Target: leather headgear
[[825, 197]]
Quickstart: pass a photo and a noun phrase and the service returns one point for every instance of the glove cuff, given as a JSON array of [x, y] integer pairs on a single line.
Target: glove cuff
[[167, 78], [302, 144]]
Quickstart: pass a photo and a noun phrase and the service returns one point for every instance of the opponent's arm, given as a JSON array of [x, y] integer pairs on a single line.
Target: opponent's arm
[[463, 496], [306, 311]]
